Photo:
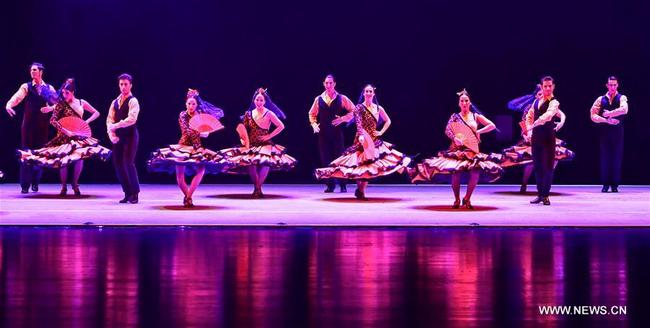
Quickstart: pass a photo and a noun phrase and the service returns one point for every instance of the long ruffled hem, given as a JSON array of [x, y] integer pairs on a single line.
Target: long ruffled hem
[[439, 169], [354, 164], [521, 154], [272, 155], [167, 159], [58, 156]]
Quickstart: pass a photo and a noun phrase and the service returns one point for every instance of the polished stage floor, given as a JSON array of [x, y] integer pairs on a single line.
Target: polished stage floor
[[321, 277], [307, 205]]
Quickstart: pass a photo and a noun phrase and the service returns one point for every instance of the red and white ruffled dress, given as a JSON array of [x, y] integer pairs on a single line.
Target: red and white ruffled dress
[[63, 150], [457, 159], [262, 153], [188, 152], [363, 163]]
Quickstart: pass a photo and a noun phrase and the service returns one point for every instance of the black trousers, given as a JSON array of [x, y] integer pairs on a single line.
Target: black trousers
[[124, 152], [543, 148], [29, 174], [330, 145], [611, 154], [33, 135]]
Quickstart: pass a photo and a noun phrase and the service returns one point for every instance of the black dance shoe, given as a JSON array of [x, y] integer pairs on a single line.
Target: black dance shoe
[[360, 195], [344, 188], [125, 199], [133, 199], [76, 190], [614, 188], [257, 193], [24, 190], [546, 201], [537, 200], [63, 192], [35, 187], [456, 204], [329, 189], [606, 188], [467, 204], [522, 189]]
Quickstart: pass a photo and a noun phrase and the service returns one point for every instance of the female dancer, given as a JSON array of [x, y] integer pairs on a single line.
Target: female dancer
[[369, 157], [67, 149], [258, 154], [521, 153], [460, 159], [188, 156]]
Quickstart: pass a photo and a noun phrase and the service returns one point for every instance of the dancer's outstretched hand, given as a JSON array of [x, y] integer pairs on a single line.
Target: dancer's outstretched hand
[[337, 121], [11, 111]]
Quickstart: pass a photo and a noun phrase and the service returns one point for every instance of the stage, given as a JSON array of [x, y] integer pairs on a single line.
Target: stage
[[307, 205]]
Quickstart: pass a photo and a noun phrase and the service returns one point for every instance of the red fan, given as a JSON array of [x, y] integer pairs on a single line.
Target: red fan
[[76, 125], [465, 133], [524, 128], [205, 123], [369, 149]]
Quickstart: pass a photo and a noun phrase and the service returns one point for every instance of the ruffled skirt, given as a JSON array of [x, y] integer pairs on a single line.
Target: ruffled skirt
[[356, 164], [168, 158], [272, 155], [521, 154], [57, 156], [438, 169]]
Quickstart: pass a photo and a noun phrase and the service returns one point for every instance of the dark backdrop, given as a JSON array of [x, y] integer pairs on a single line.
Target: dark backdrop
[[417, 54]]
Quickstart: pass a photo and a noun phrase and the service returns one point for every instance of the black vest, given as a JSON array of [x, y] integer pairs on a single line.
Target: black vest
[[33, 103], [327, 113], [547, 130], [122, 112], [606, 105]]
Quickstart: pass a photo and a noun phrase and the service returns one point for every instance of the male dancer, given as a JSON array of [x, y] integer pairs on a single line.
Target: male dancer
[[609, 111], [329, 108], [121, 125], [539, 120], [35, 125]]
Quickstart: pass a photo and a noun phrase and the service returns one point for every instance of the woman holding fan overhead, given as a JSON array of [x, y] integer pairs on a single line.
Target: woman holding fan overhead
[[188, 156], [463, 156], [73, 142]]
